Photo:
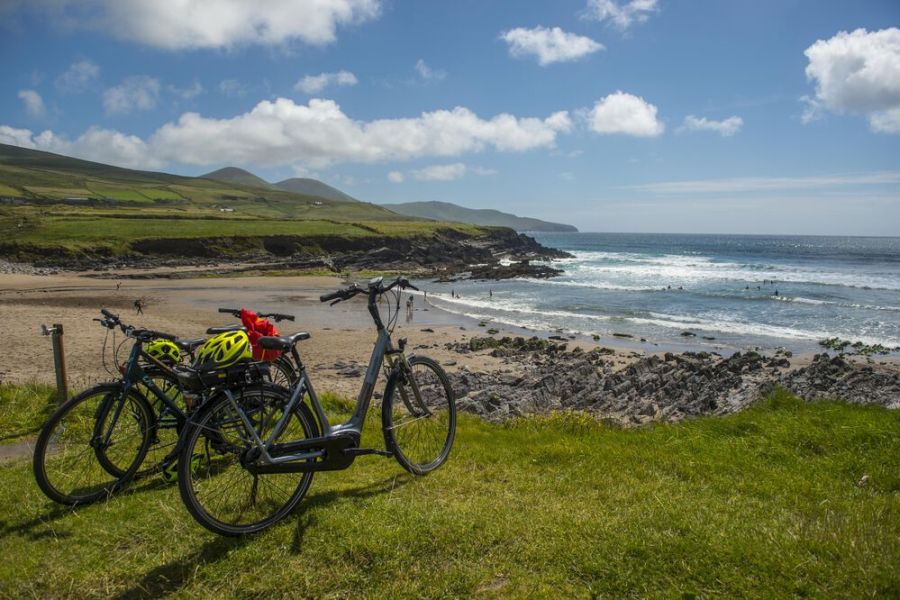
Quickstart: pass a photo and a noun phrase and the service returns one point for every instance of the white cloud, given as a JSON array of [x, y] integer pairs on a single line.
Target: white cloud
[[484, 171], [319, 133], [548, 45], [858, 73], [187, 93], [313, 135], [16, 137], [440, 172], [313, 84], [622, 14], [78, 77], [232, 87], [134, 93], [34, 104], [97, 144], [190, 24], [725, 127], [756, 184], [443, 172], [812, 110], [626, 114], [427, 73]]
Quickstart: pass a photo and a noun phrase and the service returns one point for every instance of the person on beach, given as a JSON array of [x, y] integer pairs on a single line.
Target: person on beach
[[139, 306], [118, 285], [490, 293]]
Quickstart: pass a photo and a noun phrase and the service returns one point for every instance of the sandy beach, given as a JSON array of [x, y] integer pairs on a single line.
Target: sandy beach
[[340, 334]]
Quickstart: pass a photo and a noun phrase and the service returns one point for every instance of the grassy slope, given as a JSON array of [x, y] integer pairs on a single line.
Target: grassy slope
[[194, 202], [758, 504]]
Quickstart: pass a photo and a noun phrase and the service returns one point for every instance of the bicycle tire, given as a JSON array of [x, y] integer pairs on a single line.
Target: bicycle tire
[[420, 438], [211, 431], [282, 372], [69, 434]]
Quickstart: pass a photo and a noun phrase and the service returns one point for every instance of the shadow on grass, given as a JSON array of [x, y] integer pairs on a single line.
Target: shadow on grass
[[36, 529], [305, 520], [170, 577]]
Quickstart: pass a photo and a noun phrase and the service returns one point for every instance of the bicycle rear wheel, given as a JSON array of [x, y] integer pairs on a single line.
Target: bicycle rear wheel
[[92, 445], [282, 372], [418, 414], [220, 493]]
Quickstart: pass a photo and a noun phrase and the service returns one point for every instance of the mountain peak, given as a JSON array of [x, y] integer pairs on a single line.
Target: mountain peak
[[237, 175]]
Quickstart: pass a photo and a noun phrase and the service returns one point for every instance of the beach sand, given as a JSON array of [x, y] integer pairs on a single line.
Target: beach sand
[[186, 307], [336, 355]]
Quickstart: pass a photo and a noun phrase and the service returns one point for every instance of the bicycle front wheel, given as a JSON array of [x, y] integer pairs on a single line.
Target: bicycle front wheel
[[418, 414], [220, 493], [92, 444]]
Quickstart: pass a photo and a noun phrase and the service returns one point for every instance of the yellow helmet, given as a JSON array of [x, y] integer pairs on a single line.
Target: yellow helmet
[[223, 350], [164, 351]]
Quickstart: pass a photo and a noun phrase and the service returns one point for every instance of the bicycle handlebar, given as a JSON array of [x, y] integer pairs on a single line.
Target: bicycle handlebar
[[111, 321], [277, 317], [375, 288]]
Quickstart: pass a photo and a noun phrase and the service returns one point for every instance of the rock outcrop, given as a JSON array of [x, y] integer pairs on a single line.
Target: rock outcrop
[[653, 388]]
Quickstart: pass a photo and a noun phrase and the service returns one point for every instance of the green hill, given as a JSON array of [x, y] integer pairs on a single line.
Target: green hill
[[445, 211], [239, 176], [314, 187], [57, 204]]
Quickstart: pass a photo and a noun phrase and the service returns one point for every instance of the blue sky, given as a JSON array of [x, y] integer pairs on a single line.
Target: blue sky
[[777, 116]]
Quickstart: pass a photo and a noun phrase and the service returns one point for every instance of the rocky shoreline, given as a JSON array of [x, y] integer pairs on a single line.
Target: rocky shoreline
[[445, 254], [541, 376]]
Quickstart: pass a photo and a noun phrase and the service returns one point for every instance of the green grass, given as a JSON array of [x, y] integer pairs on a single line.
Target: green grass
[[23, 409], [759, 504], [103, 228]]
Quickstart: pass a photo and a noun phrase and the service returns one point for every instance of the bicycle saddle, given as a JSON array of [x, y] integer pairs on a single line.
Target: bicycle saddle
[[225, 329], [190, 345], [284, 342]]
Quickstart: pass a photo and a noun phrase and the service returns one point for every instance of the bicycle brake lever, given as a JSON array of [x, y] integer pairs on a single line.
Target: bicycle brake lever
[[335, 302]]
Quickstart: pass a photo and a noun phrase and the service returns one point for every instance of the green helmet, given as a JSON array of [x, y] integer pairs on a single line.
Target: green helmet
[[164, 351], [223, 350]]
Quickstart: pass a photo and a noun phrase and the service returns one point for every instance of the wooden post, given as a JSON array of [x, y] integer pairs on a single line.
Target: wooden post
[[59, 362]]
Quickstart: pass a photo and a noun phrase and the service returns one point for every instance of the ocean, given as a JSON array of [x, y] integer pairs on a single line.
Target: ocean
[[741, 290]]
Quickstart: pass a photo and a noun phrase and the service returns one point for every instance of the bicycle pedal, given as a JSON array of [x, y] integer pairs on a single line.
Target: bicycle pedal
[[364, 451]]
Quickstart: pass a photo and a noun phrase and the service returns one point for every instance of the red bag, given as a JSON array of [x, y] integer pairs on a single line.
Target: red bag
[[257, 328]]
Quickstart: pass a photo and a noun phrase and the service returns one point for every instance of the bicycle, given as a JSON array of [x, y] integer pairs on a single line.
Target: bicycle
[[96, 442], [237, 471]]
